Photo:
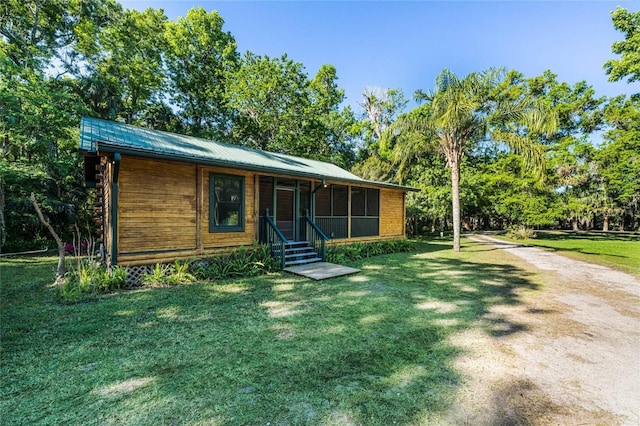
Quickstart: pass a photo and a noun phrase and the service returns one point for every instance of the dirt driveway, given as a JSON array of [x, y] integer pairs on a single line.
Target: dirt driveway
[[575, 359]]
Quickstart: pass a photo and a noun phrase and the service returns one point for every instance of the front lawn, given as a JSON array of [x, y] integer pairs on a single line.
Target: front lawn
[[371, 348], [613, 249]]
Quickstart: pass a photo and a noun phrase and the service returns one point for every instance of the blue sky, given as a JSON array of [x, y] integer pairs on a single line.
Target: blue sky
[[405, 44]]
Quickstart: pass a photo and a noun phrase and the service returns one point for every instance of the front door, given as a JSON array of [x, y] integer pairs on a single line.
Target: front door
[[286, 211]]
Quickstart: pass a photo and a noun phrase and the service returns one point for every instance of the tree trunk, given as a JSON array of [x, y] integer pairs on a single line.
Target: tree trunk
[[574, 223], [455, 201], [605, 223], [61, 251]]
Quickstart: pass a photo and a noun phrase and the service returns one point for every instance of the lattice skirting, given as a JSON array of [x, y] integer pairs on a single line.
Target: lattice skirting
[[135, 274]]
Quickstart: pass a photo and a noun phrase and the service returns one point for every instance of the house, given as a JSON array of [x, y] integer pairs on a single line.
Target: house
[[164, 196]]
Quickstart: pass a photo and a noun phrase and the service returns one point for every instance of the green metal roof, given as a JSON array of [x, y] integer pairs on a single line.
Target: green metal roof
[[107, 136]]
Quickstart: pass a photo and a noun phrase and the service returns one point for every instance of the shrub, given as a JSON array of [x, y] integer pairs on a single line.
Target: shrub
[[356, 251], [521, 233], [241, 262], [162, 275], [88, 279]]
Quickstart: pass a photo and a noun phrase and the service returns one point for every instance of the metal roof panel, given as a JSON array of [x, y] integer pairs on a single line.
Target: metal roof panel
[[97, 135]]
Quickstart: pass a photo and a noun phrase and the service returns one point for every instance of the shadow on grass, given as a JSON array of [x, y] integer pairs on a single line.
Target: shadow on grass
[[372, 348]]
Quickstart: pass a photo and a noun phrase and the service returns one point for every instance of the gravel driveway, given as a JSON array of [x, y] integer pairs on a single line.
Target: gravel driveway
[[575, 360]]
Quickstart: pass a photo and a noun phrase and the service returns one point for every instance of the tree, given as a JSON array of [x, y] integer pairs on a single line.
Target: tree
[[39, 114], [331, 127], [269, 95], [381, 108], [280, 109], [629, 64], [461, 112], [124, 71], [60, 270], [34, 31], [571, 171], [200, 59], [618, 160]]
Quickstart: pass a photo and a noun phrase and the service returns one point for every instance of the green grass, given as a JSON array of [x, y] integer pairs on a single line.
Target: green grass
[[371, 348], [616, 250]]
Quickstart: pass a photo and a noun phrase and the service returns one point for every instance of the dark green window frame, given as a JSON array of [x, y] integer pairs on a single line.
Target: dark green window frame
[[222, 203]]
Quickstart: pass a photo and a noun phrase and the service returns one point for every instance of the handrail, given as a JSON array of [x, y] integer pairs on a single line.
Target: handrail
[[316, 237], [275, 239], [317, 229]]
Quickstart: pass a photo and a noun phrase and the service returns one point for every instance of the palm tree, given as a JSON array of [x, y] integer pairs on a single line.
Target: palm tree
[[460, 112]]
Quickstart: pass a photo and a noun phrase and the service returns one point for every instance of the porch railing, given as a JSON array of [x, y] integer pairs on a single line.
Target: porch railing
[[334, 226], [275, 239], [365, 226], [315, 237]]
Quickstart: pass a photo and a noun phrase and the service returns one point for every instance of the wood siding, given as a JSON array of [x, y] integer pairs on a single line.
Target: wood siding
[[156, 207], [163, 212], [392, 213]]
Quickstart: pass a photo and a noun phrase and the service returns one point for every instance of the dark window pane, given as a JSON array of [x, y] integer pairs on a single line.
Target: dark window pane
[[373, 202], [229, 214], [358, 196]]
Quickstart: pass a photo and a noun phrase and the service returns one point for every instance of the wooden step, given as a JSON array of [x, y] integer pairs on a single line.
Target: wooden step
[[293, 244], [302, 261], [296, 253], [304, 254]]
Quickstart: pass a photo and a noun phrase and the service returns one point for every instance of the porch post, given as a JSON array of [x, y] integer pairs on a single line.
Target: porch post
[[275, 198], [349, 212]]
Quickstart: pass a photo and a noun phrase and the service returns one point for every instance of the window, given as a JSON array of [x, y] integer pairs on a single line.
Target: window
[[226, 203]]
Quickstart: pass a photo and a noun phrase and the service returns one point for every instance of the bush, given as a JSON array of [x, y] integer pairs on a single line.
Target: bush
[[241, 262], [521, 233], [163, 275], [88, 279], [356, 251], [32, 244]]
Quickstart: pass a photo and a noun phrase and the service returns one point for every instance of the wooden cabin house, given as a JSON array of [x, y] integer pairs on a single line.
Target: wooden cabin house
[[164, 196]]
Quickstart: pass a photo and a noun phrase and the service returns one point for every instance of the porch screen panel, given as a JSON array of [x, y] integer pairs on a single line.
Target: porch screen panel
[[329, 202], [365, 211], [305, 190], [266, 195], [358, 198], [323, 202], [373, 202], [340, 200]]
